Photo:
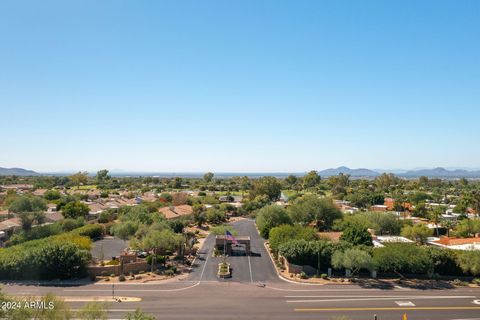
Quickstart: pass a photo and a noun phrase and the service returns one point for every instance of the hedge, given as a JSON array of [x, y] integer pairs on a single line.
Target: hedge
[[63, 256], [93, 231], [403, 258]]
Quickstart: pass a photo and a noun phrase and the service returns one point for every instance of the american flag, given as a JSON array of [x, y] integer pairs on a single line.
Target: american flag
[[230, 236]]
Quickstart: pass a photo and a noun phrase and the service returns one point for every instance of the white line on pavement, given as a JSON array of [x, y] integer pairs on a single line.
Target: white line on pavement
[[250, 267], [382, 296], [378, 299], [326, 290], [205, 264], [132, 290], [110, 310]]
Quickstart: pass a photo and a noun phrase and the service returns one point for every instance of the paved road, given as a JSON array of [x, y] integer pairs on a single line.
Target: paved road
[[203, 296], [246, 269], [108, 248]]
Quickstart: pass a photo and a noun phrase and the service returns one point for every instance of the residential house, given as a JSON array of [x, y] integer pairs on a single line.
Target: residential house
[[174, 212]]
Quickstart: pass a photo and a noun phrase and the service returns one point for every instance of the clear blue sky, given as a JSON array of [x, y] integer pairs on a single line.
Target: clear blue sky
[[239, 85]]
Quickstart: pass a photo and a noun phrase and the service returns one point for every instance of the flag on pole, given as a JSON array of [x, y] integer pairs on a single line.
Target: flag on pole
[[230, 237]]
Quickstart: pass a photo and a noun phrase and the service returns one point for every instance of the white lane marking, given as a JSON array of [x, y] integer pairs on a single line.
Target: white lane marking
[[205, 264], [250, 267], [386, 296], [326, 290], [133, 290], [405, 303], [476, 301], [378, 299], [110, 310]]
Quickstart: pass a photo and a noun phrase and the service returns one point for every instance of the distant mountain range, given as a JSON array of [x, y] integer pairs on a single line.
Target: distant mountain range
[[352, 172], [431, 173], [360, 172], [17, 172], [442, 173]]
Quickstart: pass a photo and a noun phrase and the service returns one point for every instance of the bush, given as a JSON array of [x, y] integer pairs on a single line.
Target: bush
[[303, 275], [403, 258], [170, 273], [302, 252], [159, 259], [38, 232], [459, 283], [215, 216], [71, 224], [112, 262], [444, 261], [469, 262], [284, 233], [54, 257], [93, 231], [121, 278], [476, 281]]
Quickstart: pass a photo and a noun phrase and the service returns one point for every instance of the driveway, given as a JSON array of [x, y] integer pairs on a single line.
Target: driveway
[[246, 269], [108, 248]]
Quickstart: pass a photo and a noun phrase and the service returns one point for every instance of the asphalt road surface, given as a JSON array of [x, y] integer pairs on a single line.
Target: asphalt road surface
[[204, 296]]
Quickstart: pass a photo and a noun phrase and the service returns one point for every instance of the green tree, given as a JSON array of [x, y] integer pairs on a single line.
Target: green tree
[[418, 233], [268, 186], [75, 210], [269, 217], [310, 208], [291, 181], [353, 259], [79, 178], [125, 230], [468, 228], [357, 235], [199, 215], [51, 195], [102, 178], [30, 210], [208, 177], [339, 184], [311, 180], [27, 203]]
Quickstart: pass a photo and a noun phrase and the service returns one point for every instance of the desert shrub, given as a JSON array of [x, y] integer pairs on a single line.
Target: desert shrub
[[284, 233], [444, 261], [302, 252], [62, 257], [403, 258], [469, 262], [93, 231]]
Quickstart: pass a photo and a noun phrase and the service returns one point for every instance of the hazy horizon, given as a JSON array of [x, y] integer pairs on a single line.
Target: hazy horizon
[[239, 86]]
